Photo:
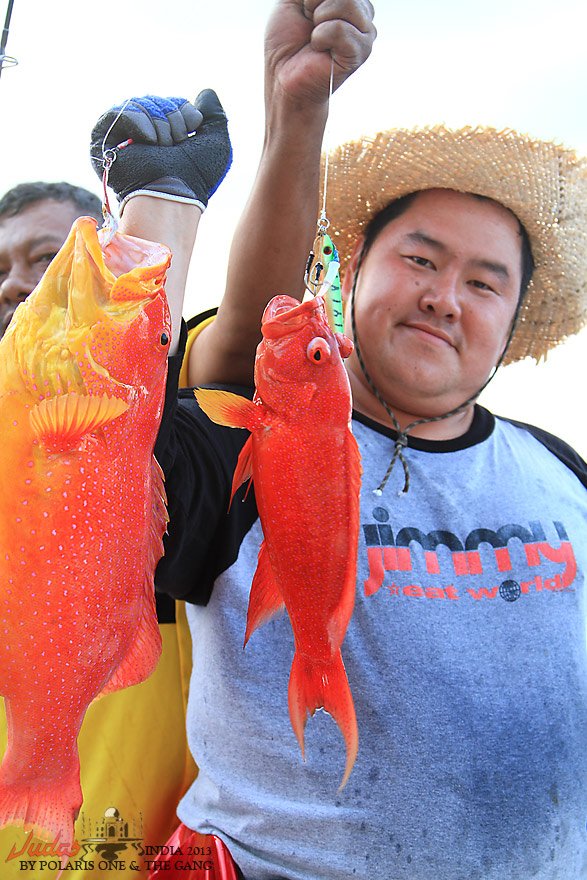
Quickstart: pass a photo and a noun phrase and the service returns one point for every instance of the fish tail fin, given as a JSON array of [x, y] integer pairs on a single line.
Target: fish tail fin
[[323, 685], [39, 779], [46, 807]]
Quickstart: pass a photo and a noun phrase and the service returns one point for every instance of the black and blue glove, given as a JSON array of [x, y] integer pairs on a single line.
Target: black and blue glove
[[179, 151]]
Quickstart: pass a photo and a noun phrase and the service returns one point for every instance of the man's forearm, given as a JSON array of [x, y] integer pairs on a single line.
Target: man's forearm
[[270, 246], [277, 228], [175, 225]]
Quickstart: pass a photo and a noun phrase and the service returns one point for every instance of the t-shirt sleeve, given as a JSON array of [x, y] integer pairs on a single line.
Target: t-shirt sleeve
[[565, 453]]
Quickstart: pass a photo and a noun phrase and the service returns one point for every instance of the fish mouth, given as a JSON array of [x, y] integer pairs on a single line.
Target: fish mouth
[[125, 255], [78, 317], [118, 279], [284, 315]]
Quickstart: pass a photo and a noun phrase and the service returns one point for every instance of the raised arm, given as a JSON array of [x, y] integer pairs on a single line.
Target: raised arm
[[277, 227], [170, 156]]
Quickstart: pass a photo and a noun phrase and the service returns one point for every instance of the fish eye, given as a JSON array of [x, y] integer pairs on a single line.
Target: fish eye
[[318, 350], [164, 338]]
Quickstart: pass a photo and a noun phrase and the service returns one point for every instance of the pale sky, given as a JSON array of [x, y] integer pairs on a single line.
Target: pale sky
[[508, 63]]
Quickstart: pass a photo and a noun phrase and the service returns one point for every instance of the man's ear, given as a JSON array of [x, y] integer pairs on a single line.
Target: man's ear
[[350, 271]]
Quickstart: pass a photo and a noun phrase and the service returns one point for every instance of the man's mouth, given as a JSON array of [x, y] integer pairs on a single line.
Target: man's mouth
[[430, 332]]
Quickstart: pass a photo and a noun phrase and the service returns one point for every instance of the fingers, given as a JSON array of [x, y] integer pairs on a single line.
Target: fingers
[[149, 120], [208, 105], [344, 28], [306, 11], [183, 121], [161, 121], [358, 12]]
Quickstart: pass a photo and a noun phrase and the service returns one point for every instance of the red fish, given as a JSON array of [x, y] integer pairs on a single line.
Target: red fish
[[305, 466], [82, 508]]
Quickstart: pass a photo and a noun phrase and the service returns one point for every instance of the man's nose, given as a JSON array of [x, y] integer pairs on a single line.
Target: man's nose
[[442, 297]]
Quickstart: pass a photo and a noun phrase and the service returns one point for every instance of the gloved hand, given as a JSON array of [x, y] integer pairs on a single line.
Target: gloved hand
[[166, 159]]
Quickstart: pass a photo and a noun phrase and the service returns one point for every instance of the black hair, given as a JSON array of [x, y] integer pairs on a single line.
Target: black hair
[[397, 207], [24, 194]]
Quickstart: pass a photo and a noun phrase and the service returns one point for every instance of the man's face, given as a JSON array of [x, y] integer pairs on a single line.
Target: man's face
[[28, 243], [435, 299]]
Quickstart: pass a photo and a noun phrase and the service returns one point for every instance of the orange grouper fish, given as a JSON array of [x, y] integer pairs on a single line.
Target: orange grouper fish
[[306, 469], [82, 508]]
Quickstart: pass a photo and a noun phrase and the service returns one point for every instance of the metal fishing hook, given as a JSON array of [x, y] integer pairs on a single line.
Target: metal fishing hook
[[109, 155]]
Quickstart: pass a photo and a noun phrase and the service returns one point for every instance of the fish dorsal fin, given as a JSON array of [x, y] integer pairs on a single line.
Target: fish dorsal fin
[[60, 422]]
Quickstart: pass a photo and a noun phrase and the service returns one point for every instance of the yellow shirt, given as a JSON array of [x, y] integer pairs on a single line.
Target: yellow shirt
[[135, 766]]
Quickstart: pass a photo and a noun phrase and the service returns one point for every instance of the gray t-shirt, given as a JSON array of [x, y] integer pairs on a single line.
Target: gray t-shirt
[[467, 659]]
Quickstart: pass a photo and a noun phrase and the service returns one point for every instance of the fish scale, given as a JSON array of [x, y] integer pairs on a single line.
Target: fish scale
[[82, 510], [306, 468]]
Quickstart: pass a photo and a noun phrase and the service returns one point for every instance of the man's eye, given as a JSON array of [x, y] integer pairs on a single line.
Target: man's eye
[[481, 285], [420, 261], [45, 258]]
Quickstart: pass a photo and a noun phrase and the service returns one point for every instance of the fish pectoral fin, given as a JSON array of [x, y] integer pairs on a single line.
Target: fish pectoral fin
[[60, 422], [232, 410], [143, 652], [265, 600]]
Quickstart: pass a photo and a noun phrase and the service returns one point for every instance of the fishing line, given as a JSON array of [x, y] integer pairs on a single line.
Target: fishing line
[[323, 218], [322, 277], [107, 159]]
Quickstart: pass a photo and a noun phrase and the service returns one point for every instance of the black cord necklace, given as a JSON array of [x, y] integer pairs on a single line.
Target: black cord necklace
[[401, 441]]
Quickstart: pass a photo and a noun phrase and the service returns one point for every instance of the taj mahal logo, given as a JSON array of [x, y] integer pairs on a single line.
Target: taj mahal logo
[[111, 835]]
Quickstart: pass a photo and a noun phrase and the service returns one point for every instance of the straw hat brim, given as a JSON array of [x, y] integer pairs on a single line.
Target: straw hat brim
[[544, 184]]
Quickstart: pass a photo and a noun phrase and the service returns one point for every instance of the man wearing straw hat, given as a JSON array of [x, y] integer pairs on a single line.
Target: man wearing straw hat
[[467, 651]]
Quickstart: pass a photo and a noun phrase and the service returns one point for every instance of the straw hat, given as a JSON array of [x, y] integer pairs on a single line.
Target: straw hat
[[544, 185]]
